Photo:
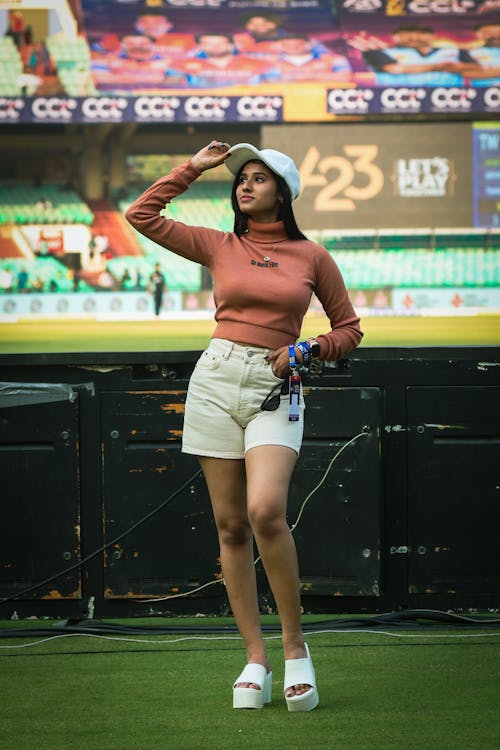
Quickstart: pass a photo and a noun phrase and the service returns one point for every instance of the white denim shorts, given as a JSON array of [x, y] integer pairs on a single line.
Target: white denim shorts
[[223, 416]]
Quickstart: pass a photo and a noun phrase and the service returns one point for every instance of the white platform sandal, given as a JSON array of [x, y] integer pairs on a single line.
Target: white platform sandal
[[301, 672], [246, 697]]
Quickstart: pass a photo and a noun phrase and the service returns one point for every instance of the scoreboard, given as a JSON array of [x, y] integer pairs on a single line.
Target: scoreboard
[[486, 174]]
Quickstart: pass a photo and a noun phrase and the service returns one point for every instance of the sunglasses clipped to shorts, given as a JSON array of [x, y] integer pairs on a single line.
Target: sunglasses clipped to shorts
[[272, 400]]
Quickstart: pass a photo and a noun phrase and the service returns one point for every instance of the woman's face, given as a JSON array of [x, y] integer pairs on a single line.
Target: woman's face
[[257, 192]]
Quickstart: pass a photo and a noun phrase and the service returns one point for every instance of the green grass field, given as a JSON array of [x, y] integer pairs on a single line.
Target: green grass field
[[417, 691], [46, 336]]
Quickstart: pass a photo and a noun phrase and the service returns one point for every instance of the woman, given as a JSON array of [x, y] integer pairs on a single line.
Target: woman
[[240, 421]]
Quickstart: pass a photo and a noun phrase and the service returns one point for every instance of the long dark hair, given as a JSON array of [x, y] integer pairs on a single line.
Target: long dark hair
[[285, 213]]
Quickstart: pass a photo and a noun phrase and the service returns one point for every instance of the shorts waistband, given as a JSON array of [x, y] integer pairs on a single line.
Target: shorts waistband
[[228, 348]]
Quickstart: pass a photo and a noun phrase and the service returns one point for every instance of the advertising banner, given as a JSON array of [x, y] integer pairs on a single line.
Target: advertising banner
[[380, 175], [262, 61], [392, 100], [261, 108], [91, 304], [450, 301], [199, 306], [429, 43], [117, 109]]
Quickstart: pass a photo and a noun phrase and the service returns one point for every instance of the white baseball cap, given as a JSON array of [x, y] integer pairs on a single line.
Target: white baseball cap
[[277, 162]]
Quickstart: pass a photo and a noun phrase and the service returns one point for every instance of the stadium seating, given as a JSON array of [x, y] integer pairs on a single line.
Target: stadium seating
[[205, 204], [22, 204], [11, 67], [368, 259], [372, 269], [45, 269], [68, 52], [362, 269], [77, 81], [180, 274], [72, 60]]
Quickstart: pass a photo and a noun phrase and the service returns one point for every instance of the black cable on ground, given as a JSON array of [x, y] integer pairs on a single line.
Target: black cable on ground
[[420, 619], [104, 547]]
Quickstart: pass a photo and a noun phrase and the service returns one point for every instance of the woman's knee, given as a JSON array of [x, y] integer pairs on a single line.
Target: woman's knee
[[234, 532], [267, 520]]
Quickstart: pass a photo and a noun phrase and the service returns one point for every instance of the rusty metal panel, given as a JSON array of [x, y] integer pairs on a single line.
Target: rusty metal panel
[[338, 535], [39, 512], [453, 489], [177, 549], [431, 416]]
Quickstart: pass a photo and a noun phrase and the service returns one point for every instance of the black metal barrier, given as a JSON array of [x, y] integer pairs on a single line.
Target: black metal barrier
[[395, 500]]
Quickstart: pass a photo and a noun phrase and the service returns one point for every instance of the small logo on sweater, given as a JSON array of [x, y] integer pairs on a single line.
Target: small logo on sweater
[[268, 263]]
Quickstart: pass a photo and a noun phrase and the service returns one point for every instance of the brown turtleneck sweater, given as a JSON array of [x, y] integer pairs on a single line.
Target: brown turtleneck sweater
[[263, 281]]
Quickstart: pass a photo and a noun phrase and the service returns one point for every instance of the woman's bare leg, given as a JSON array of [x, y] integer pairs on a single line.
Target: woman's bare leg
[[269, 469], [226, 481]]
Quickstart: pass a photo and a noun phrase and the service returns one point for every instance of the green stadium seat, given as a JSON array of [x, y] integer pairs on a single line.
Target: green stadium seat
[[72, 59], [19, 205], [204, 204], [365, 269], [180, 274]]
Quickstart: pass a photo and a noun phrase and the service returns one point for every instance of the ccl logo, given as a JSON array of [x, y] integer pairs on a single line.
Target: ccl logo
[[446, 7], [259, 107], [104, 108], [453, 98], [10, 109], [349, 100], [53, 108], [492, 98], [402, 99], [206, 107], [156, 107]]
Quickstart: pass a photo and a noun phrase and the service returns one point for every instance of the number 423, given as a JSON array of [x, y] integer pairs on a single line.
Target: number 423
[[358, 160]]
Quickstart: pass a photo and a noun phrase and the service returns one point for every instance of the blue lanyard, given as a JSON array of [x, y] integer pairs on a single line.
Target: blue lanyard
[[294, 387]]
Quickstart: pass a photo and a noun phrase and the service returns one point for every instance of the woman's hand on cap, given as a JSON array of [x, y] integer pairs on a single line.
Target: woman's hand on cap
[[210, 156]]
